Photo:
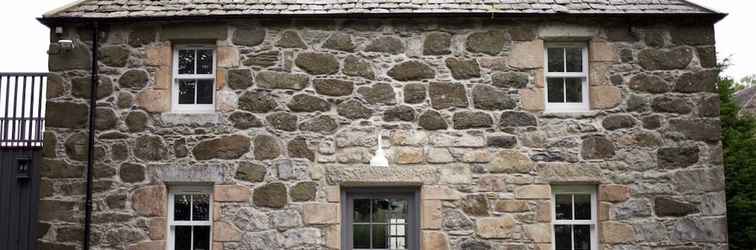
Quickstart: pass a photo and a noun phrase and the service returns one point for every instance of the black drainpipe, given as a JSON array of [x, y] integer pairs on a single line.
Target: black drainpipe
[[90, 157]]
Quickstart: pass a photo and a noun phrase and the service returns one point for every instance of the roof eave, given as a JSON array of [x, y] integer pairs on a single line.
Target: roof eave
[[49, 21], [63, 8]]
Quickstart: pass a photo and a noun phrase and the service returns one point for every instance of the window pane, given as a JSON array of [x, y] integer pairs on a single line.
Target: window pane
[[204, 91], [201, 238], [398, 243], [181, 203], [582, 237], [556, 89], [204, 61], [183, 238], [582, 206], [186, 92], [200, 207], [380, 239], [186, 61], [562, 237], [381, 210], [574, 89], [361, 236], [563, 207], [361, 210], [556, 59], [574, 59]]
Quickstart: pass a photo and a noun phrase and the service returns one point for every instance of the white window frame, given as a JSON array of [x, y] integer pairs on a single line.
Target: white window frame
[[553, 107], [192, 108], [180, 190], [592, 223]]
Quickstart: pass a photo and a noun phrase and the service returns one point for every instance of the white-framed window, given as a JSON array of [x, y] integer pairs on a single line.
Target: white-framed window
[[566, 77], [190, 218], [574, 218], [193, 87]]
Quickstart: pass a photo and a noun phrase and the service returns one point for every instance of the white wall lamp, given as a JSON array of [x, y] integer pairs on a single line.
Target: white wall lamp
[[64, 44], [379, 159]]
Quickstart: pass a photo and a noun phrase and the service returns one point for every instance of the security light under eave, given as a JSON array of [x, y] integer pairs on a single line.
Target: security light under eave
[[379, 159]]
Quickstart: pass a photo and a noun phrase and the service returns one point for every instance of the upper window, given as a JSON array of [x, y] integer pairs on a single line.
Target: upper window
[[194, 79], [190, 218], [574, 218], [566, 78], [378, 220]]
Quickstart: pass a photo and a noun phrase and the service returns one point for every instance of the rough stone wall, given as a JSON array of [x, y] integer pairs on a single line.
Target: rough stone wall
[[458, 103]]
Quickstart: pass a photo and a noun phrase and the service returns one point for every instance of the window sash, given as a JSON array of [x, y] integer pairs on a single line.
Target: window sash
[[582, 106], [194, 106], [177, 77], [196, 49], [172, 224], [592, 223]]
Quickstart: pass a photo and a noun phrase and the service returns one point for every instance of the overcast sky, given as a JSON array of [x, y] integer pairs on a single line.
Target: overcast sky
[[24, 40]]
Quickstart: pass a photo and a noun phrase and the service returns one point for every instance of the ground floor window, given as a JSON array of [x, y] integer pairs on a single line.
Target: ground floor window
[[190, 218], [380, 219], [574, 217]]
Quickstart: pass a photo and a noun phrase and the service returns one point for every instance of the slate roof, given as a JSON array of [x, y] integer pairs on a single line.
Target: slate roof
[[188, 8], [746, 101]]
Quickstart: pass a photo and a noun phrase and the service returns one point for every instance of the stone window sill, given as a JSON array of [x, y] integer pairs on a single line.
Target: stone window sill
[[567, 115], [196, 119]]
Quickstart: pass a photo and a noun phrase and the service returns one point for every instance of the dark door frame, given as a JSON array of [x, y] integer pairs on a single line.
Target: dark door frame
[[412, 194]]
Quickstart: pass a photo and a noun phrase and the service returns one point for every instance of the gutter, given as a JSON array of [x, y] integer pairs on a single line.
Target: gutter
[[90, 146]]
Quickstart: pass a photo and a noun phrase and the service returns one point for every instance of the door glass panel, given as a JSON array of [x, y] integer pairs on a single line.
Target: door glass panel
[[397, 229], [380, 240], [574, 59], [186, 92], [574, 89], [398, 243], [361, 236], [204, 61], [201, 238], [181, 204], [563, 237], [200, 207], [555, 59], [186, 62], [362, 210], [381, 210], [183, 238], [582, 206], [563, 207], [582, 237], [556, 89], [398, 209], [204, 91]]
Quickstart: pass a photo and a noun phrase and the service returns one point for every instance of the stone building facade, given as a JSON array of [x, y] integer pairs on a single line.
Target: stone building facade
[[458, 102]]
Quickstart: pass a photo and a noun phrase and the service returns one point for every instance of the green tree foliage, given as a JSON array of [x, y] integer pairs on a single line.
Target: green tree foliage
[[739, 148]]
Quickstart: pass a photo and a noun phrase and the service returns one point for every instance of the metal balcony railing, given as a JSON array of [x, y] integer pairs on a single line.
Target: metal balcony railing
[[22, 109]]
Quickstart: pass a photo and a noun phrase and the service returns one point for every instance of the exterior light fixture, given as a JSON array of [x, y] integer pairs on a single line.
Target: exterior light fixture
[[379, 159]]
